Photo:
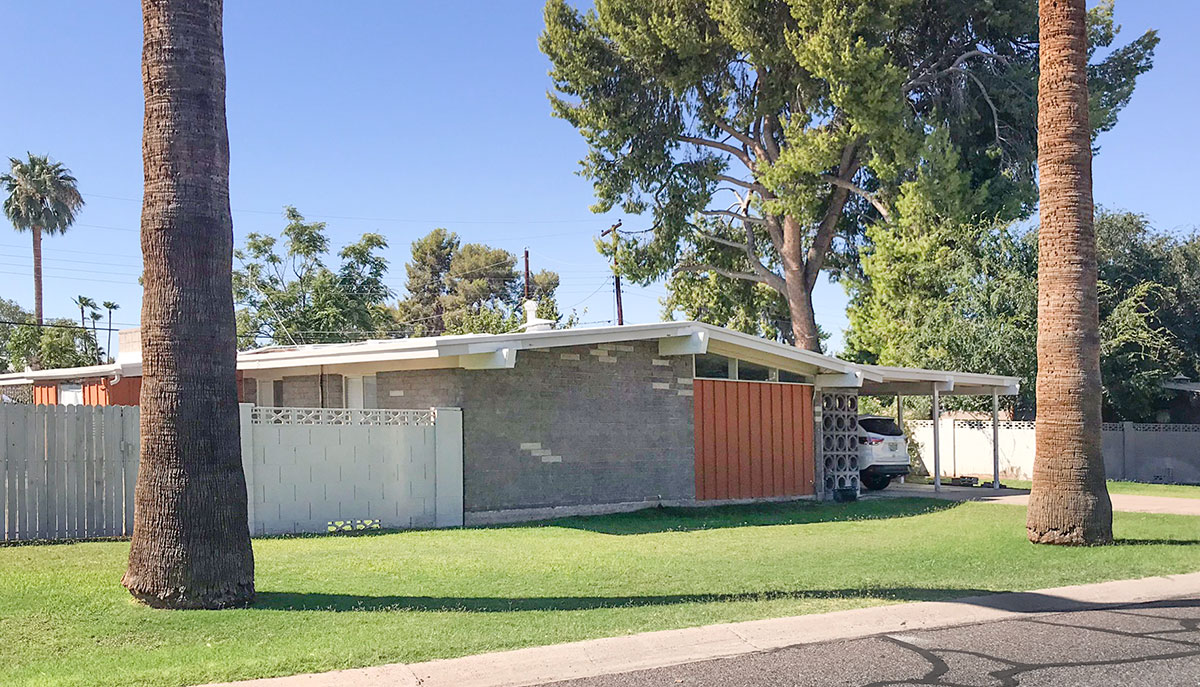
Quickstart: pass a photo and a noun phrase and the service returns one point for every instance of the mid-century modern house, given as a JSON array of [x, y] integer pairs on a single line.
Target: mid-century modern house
[[670, 412]]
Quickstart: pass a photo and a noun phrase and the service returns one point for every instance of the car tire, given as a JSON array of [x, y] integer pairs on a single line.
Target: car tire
[[876, 482]]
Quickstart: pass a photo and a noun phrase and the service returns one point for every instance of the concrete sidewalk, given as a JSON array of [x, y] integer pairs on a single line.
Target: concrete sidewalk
[[1129, 503], [540, 665]]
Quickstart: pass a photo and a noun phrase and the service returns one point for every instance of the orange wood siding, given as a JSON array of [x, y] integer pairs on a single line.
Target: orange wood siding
[[125, 392], [45, 393], [753, 439]]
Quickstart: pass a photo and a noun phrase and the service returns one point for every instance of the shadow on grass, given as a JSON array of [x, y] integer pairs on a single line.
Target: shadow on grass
[[303, 601], [1155, 542], [655, 520]]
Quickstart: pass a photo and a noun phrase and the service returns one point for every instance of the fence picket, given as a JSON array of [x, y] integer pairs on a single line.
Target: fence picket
[[95, 453], [113, 505], [16, 426], [6, 489], [130, 452]]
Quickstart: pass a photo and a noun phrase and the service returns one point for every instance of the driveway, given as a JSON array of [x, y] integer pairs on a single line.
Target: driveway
[[1019, 497], [1147, 644]]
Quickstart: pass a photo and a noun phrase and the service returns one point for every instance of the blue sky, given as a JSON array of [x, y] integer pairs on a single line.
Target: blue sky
[[399, 117]]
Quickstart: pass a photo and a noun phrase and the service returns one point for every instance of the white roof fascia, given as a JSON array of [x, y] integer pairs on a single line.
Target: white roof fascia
[[30, 376]]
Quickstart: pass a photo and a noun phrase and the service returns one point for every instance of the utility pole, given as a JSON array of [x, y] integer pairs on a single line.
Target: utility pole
[[527, 289], [616, 270]]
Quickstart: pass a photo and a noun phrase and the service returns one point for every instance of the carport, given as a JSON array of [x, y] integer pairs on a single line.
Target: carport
[[879, 380]]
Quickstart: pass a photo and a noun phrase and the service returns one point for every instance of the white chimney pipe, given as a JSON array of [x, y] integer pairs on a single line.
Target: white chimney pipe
[[533, 323]]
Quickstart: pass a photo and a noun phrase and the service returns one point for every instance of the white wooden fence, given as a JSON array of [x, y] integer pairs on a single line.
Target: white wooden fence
[[68, 471], [1132, 451]]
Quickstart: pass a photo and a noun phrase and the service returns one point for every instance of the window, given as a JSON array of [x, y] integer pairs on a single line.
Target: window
[[883, 426], [791, 377], [712, 366], [277, 393], [752, 373]]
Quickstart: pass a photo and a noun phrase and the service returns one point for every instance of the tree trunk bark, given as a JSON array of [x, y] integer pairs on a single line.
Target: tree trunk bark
[[1069, 502], [37, 274], [804, 319], [191, 542]]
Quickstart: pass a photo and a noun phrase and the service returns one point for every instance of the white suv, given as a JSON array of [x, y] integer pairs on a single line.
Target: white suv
[[882, 451]]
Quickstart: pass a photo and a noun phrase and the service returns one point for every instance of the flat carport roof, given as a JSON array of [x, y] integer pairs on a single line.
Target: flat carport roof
[[878, 380]]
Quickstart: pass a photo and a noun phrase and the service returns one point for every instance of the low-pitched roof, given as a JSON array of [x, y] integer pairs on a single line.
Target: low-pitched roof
[[498, 351]]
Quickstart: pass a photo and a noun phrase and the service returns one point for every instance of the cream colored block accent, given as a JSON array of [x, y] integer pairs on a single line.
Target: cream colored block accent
[[661, 363], [551, 459], [624, 348], [541, 452], [530, 446], [540, 350], [607, 347], [598, 351], [684, 380], [686, 392], [396, 392], [661, 385], [607, 359], [569, 356]]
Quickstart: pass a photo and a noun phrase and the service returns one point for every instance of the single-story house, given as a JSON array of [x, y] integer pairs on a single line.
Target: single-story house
[[669, 412]]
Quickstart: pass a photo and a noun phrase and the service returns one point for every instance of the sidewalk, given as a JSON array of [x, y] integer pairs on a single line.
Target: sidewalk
[[1129, 503], [540, 665]]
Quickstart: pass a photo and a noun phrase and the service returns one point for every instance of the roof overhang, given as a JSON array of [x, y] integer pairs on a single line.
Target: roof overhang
[[907, 381], [68, 373]]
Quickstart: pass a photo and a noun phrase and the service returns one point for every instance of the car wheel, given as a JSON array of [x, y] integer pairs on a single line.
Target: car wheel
[[876, 482]]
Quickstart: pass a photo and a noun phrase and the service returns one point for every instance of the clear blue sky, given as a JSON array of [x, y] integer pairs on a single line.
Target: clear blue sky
[[399, 117]]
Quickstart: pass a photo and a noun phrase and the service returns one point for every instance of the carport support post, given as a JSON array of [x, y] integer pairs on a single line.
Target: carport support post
[[937, 439], [995, 440]]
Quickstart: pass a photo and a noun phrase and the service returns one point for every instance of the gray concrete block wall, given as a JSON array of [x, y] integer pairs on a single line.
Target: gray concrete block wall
[[585, 425], [306, 391]]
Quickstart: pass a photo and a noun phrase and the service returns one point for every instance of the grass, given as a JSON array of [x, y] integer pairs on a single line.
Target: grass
[[354, 600], [1183, 491]]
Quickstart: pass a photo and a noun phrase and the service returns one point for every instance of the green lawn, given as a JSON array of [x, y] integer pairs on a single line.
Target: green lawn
[[341, 601], [1183, 491]]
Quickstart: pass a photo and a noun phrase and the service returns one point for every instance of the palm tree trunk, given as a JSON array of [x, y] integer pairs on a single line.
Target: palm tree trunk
[[1069, 503], [108, 343], [37, 274], [191, 542]]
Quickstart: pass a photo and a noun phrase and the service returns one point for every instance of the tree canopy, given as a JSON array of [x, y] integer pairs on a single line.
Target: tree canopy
[[765, 136], [965, 297], [457, 288], [291, 296]]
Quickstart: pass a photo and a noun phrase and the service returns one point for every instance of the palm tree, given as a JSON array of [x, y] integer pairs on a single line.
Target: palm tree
[[1069, 503], [42, 197], [96, 317], [110, 306], [191, 541], [84, 302]]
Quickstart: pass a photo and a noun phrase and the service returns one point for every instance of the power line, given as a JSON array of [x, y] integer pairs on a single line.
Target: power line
[[398, 220]]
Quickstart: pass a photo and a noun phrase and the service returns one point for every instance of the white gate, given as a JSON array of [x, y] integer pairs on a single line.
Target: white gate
[[67, 471]]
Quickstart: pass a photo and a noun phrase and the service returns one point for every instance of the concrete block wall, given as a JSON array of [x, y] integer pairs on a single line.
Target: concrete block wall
[[305, 391], [301, 477], [577, 426]]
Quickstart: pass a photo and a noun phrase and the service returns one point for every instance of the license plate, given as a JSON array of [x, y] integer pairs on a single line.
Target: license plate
[[894, 446]]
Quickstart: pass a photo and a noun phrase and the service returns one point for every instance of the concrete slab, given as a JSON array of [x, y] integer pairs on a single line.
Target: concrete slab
[[540, 665]]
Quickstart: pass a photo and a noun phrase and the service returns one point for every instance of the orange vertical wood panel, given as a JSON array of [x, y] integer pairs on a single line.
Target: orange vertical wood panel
[[753, 439], [126, 392], [698, 436], [788, 478], [757, 453], [45, 393], [720, 465], [709, 444]]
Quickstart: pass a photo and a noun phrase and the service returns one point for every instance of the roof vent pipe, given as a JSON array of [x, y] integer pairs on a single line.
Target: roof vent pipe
[[533, 323]]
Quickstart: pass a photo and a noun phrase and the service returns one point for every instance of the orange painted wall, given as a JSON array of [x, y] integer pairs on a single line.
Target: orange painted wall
[[753, 439], [100, 392]]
